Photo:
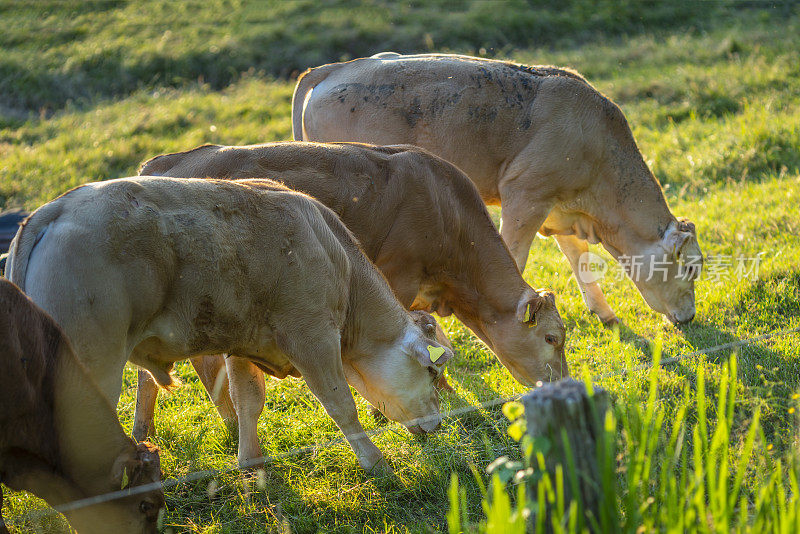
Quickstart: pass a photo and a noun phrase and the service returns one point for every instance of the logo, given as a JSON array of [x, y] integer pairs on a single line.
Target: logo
[[591, 268]]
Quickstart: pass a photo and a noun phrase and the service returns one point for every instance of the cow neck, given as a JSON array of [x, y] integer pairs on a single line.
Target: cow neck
[[374, 316], [90, 438], [632, 212], [485, 285], [57, 490], [48, 485]]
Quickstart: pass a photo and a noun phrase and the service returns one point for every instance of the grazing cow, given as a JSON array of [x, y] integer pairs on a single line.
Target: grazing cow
[[60, 438], [156, 270], [423, 224], [557, 155]]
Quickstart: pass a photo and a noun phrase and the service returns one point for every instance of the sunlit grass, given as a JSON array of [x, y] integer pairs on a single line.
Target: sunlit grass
[[716, 115]]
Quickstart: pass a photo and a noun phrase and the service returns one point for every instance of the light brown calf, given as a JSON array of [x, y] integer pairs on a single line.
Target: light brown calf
[[557, 155], [156, 270], [60, 438], [423, 224]]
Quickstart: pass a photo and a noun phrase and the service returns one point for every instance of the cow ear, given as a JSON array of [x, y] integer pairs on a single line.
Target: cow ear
[[135, 468], [126, 468], [678, 236], [528, 307], [674, 242]]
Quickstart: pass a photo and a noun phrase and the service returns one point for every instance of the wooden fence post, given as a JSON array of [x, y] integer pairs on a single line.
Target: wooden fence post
[[572, 422]]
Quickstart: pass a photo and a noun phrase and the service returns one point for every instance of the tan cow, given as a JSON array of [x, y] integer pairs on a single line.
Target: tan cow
[[60, 438], [155, 270], [557, 155], [423, 224]]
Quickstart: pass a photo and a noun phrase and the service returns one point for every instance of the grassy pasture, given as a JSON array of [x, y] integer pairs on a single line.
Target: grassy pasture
[[712, 91]]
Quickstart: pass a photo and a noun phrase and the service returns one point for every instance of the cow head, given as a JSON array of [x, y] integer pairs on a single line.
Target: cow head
[[665, 271], [529, 340], [137, 467], [398, 376]]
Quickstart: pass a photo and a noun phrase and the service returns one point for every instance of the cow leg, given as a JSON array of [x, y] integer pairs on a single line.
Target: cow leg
[[248, 393], [214, 376], [324, 376], [146, 395], [520, 219], [573, 248]]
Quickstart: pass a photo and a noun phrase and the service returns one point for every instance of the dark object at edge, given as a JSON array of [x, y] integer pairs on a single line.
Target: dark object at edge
[[9, 223]]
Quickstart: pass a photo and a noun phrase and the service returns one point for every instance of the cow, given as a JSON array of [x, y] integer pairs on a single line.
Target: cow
[[156, 270], [421, 221], [552, 151], [60, 437]]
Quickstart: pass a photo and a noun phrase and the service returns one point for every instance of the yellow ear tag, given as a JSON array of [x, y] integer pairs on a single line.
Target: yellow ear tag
[[435, 352], [124, 477], [528, 317]]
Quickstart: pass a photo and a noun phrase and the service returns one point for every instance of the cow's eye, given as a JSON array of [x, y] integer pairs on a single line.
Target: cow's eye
[[430, 329]]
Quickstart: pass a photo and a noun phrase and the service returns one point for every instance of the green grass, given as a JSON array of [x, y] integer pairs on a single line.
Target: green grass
[[99, 87], [658, 469], [108, 48]]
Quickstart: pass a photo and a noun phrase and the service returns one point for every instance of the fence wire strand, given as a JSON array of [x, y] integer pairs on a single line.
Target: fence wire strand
[[261, 461]]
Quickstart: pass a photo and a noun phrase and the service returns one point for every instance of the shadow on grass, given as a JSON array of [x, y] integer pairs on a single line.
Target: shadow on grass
[[752, 357], [470, 442], [416, 495], [111, 71], [767, 306], [239, 501], [767, 376]]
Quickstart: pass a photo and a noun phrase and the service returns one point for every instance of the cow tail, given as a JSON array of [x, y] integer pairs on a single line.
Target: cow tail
[[305, 84], [30, 232]]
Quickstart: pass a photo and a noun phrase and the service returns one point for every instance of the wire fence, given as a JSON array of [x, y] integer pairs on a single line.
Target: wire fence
[[450, 414]]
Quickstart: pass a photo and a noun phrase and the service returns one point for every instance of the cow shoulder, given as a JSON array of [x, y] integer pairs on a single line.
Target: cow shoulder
[[323, 250]]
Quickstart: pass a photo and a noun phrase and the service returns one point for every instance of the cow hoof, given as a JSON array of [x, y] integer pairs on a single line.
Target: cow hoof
[[612, 323], [250, 466], [381, 469]]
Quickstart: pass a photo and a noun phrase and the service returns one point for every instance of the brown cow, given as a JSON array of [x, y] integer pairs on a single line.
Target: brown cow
[[156, 270], [423, 224], [557, 155], [60, 438]]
